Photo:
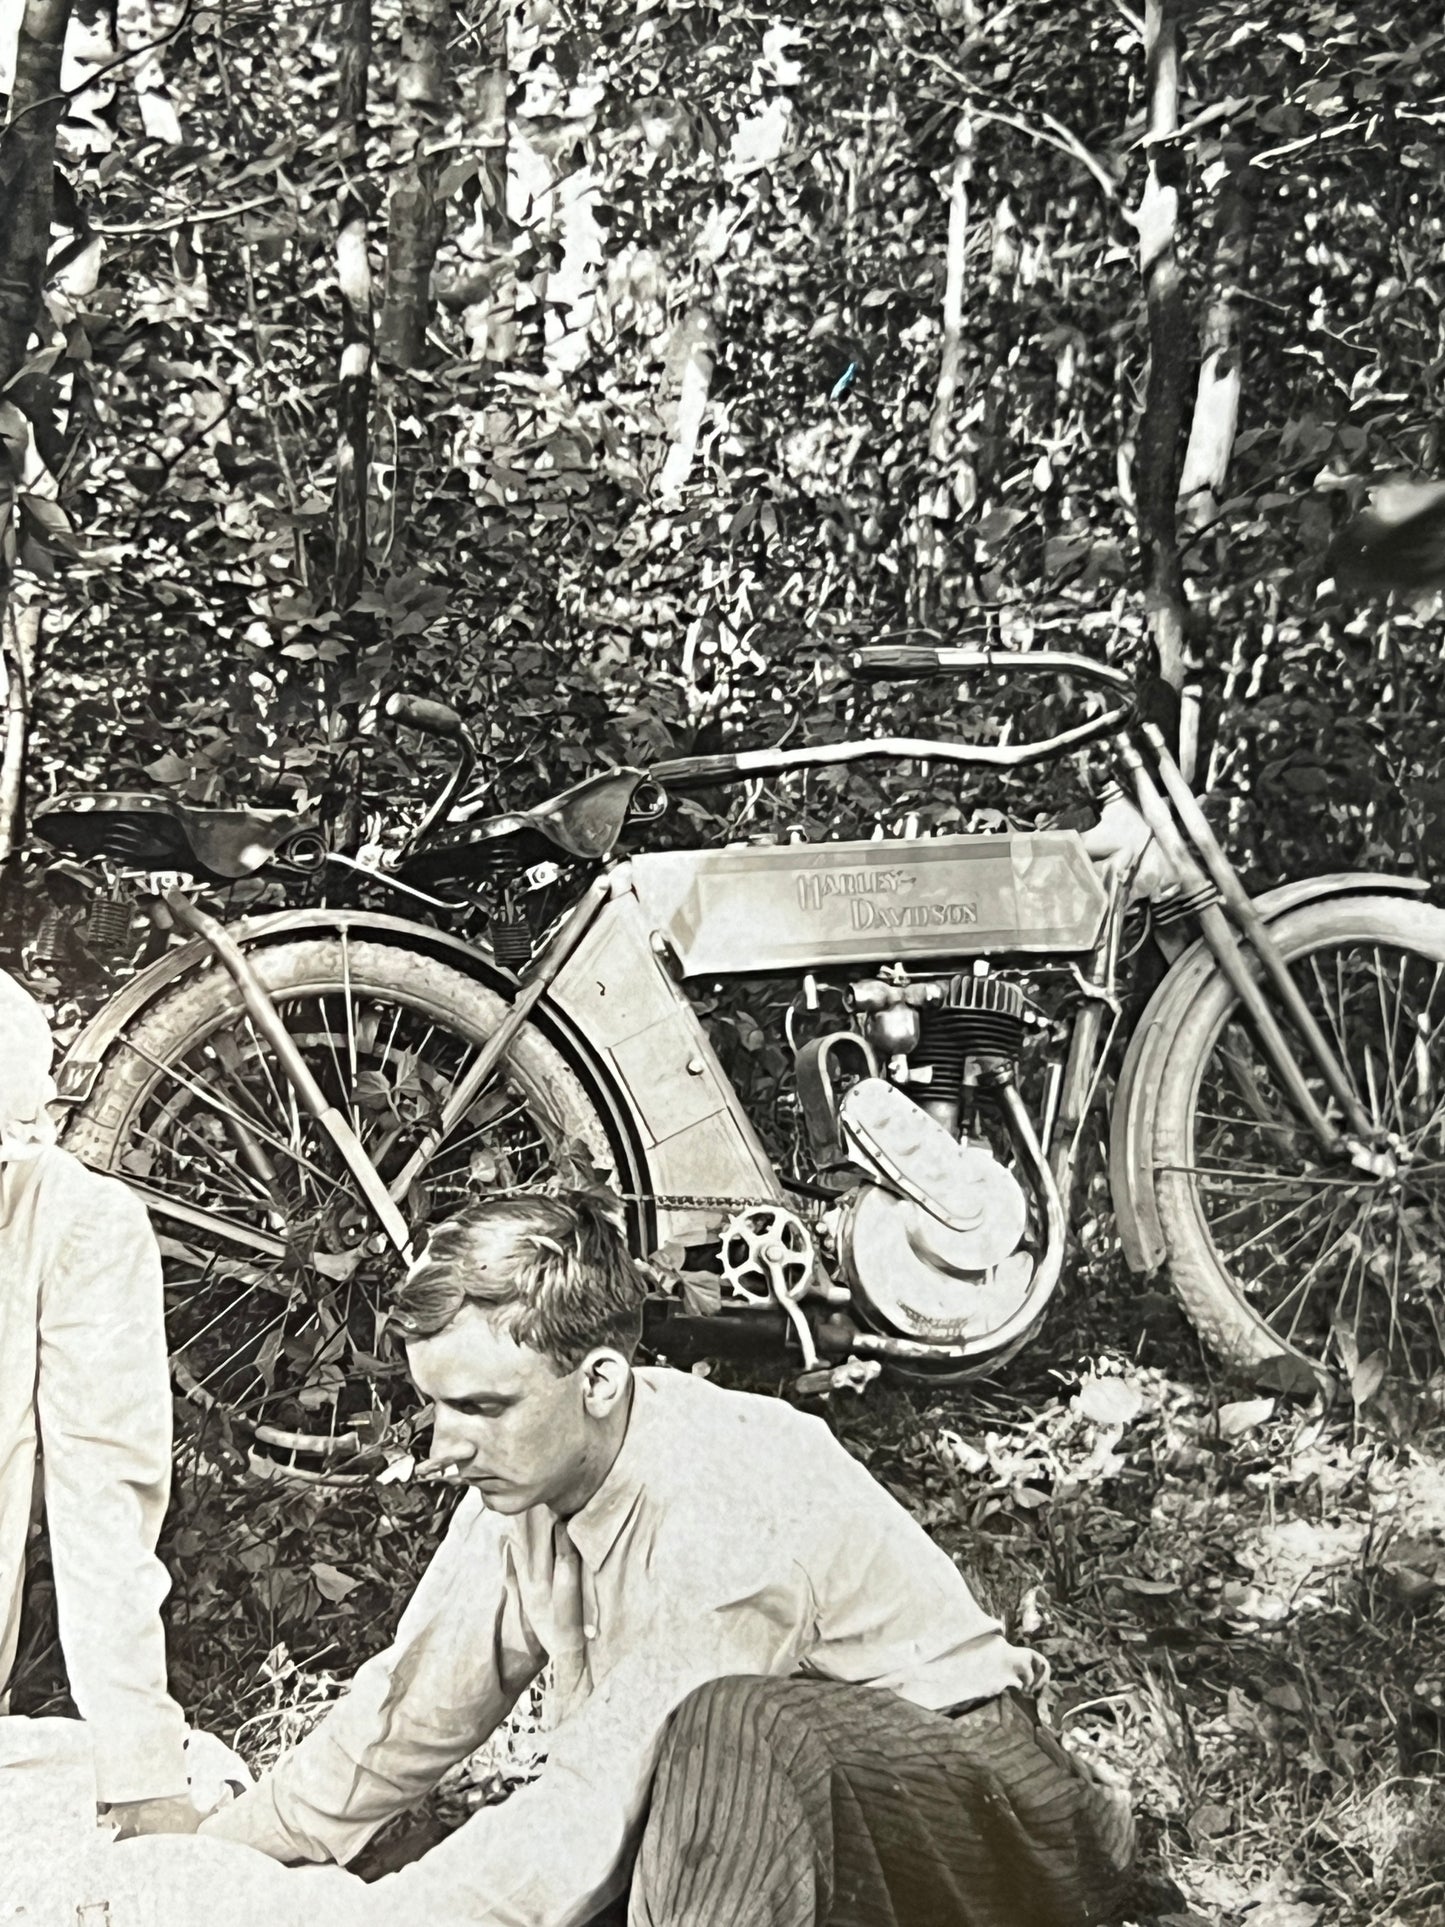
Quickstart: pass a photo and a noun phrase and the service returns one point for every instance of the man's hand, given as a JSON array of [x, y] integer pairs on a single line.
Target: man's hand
[[171, 1815]]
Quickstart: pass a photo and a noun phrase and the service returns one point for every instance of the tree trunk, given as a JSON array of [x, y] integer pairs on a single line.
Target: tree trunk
[[936, 498], [353, 271], [28, 156], [27, 198], [353, 400], [950, 360], [1216, 402], [17, 675], [690, 358], [1157, 465], [415, 218], [488, 296]]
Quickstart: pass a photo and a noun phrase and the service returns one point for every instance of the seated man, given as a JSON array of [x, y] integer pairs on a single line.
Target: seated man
[[778, 1701], [83, 1369]]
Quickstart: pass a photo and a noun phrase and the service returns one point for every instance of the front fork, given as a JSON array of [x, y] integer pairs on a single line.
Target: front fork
[[1363, 1146]]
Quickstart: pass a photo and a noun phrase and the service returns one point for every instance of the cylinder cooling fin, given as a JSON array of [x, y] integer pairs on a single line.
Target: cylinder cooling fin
[[979, 1017]]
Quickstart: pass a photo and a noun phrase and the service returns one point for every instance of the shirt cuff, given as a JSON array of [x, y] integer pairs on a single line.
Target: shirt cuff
[[144, 1760]]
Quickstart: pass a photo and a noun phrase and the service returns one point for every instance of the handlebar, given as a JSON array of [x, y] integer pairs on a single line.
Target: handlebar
[[421, 712], [437, 719], [878, 661], [881, 660]]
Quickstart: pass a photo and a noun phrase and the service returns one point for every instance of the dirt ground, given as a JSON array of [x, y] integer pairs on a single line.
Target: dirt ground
[[1241, 1596]]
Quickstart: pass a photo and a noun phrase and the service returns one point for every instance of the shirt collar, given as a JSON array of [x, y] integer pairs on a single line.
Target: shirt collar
[[595, 1529]]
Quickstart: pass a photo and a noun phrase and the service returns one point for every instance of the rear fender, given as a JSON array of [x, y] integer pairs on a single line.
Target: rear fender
[[1131, 1133], [76, 1076]]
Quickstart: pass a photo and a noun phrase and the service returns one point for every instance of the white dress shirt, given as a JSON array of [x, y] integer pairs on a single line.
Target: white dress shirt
[[83, 1366], [733, 1535]]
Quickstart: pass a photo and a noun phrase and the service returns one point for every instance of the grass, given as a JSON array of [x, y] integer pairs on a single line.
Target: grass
[[1242, 1601]]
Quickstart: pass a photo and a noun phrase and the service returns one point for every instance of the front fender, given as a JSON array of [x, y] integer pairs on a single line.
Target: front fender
[[77, 1073], [1131, 1131]]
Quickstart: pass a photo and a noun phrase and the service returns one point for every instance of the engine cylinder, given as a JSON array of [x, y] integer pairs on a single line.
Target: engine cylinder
[[980, 1018]]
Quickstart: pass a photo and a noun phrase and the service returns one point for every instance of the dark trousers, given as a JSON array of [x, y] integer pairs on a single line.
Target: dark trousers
[[810, 1803]]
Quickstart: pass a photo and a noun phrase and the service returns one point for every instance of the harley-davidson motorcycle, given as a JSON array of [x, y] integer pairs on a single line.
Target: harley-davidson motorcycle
[[296, 1095]]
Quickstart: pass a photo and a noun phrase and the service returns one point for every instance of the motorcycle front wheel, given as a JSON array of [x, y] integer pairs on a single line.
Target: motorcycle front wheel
[[277, 1274], [1272, 1247]]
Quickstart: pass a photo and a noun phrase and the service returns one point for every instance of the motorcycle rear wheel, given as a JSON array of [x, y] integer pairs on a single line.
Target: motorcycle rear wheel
[[1272, 1248], [276, 1288]]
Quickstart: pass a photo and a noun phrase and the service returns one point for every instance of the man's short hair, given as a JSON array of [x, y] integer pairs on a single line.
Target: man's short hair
[[556, 1269]]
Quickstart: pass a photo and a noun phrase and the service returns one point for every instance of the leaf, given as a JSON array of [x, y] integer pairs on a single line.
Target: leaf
[[1286, 1698], [1150, 1588], [1368, 1376], [1029, 1497], [1284, 1913], [1287, 1373], [1243, 1415], [999, 523], [1108, 1401], [456, 176], [267, 1354], [47, 523], [1207, 1822], [168, 769], [38, 364], [332, 1583]]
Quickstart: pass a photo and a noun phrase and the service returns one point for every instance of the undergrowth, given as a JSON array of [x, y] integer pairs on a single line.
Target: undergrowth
[[1241, 1598]]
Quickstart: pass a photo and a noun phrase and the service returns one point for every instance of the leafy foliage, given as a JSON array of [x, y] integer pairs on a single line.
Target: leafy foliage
[[674, 442], [689, 183]]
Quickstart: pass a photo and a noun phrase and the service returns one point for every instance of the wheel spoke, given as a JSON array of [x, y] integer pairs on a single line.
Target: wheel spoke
[[1311, 1250], [275, 1276], [205, 1096]]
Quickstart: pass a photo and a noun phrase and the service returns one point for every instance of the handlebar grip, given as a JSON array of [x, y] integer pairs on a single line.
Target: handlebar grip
[[892, 658], [683, 770], [420, 712]]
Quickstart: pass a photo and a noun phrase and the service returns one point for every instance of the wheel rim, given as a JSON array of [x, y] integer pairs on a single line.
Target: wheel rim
[[296, 1350], [1337, 1262]]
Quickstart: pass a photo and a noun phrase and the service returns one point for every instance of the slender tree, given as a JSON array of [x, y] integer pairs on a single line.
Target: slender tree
[[415, 215], [1157, 463], [27, 177], [353, 273], [1216, 401]]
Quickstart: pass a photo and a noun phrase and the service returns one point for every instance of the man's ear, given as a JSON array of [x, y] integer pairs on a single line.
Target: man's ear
[[606, 1380]]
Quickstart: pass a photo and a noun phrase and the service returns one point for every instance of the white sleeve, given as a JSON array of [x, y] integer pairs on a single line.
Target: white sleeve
[[103, 1400], [462, 1653]]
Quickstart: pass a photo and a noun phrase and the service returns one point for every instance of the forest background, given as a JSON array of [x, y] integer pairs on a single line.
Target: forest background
[[607, 370]]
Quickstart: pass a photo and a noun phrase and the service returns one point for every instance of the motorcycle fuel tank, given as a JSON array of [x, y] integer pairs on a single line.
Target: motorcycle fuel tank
[[802, 906]]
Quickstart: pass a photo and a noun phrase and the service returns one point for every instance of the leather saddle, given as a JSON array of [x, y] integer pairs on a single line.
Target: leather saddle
[[583, 823], [145, 832]]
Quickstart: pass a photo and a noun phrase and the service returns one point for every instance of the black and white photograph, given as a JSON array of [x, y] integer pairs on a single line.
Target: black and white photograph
[[722, 963]]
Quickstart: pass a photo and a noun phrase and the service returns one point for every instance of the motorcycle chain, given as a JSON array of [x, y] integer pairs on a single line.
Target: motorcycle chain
[[695, 1201]]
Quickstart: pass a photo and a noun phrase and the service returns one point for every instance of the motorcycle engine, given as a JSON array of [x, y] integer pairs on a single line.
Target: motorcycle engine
[[935, 1246]]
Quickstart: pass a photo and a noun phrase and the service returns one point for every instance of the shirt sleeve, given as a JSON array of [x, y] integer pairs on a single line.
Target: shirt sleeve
[[558, 1850], [103, 1401], [463, 1652]]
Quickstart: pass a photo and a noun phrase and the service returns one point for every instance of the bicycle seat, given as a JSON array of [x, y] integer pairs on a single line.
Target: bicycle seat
[[145, 832], [583, 822]]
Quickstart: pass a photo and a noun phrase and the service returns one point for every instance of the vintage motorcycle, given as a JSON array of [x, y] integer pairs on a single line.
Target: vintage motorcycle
[[296, 1095]]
